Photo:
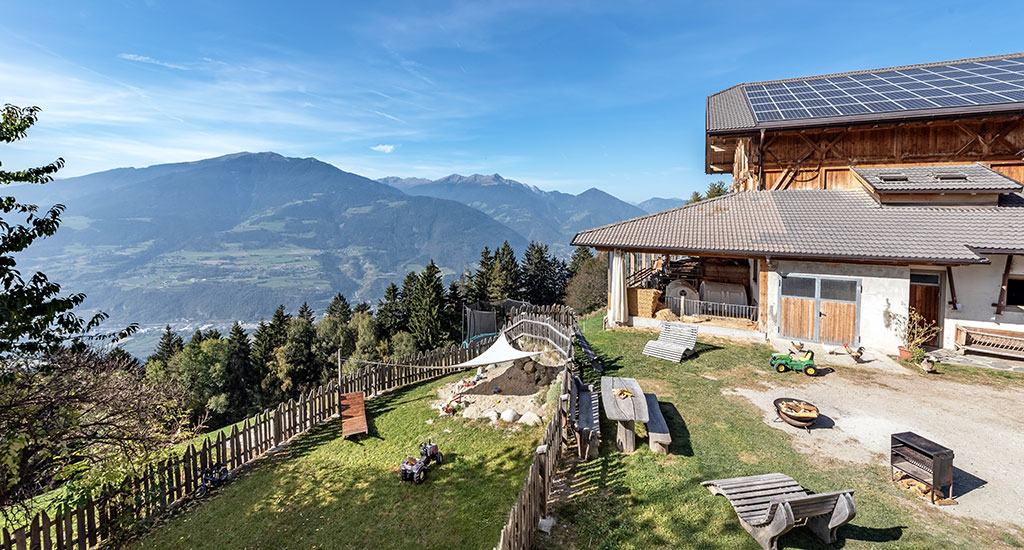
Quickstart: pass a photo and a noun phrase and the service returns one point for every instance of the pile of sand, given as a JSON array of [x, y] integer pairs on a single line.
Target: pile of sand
[[523, 383]]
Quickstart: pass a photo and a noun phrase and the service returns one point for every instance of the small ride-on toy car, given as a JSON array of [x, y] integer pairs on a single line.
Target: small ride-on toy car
[[414, 469], [783, 362]]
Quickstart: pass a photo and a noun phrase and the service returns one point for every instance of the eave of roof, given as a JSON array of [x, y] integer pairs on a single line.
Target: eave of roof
[[922, 180], [807, 224]]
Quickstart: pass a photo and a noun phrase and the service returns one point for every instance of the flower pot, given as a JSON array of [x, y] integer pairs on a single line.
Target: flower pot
[[905, 353]]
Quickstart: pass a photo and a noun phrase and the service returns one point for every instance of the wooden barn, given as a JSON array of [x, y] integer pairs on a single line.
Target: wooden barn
[[856, 197]]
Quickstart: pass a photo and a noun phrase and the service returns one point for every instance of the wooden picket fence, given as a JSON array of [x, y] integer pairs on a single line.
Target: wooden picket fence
[[532, 504], [163, 485]]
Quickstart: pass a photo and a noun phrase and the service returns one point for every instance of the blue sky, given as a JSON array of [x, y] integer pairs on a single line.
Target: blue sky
[[560, 95]]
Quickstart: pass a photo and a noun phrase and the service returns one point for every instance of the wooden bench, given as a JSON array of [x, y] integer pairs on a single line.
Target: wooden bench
[[1005, 343], [769, 505], [584, 417], [675, 342], [588, 351], [657, 429]]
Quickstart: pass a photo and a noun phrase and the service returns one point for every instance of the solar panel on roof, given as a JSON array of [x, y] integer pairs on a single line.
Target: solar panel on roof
[[982, 83]]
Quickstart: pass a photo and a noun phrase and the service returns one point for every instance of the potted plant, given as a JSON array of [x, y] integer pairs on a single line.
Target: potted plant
[[915, 332]]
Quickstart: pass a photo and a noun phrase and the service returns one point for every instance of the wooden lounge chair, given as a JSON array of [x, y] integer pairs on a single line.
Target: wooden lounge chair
[[770, 505], [657, 429], [675, 342]]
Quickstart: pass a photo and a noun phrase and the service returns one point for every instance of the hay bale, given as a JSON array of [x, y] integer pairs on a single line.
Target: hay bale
[[643, 302], [666, 315]]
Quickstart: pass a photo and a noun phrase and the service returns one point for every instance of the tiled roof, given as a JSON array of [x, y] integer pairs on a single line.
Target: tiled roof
[[730, 110], [821, 223], [967, 178]]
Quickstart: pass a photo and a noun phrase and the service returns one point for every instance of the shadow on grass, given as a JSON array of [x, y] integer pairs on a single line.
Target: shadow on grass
[[677, 428]]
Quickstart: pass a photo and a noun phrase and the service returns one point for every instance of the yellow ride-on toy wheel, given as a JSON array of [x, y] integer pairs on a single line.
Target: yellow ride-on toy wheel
[[810, 370], [781, 368]]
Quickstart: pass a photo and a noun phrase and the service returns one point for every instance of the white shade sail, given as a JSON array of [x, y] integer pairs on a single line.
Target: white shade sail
[[500, 351]]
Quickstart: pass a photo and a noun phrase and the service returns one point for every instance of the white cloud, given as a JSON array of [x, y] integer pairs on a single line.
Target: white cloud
[[150, 60], [383, 148]]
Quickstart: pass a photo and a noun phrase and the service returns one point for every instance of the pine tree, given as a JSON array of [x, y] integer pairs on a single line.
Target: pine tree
[[716, 189], [454, 301], [306, 312], [279, 326], [362, 307], [539, 277], [405, 295], [426, 309], [389, 312], [695, 197], [212, 334], [170, 343], [580, 255], [505, 278], [481, 281], [295, 364], [242, 384], [197, 337], [339, 308]]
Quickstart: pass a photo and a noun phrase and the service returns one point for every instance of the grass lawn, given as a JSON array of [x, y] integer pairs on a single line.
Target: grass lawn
[[646, 501], [328, 492]]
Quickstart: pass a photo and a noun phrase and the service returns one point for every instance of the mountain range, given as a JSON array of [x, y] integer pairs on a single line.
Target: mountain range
[[232, 237], [550, 217]]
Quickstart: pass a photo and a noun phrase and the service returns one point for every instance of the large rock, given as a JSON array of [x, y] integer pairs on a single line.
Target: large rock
[[530, 419], [491, 415], [509, 415], [530, 366]]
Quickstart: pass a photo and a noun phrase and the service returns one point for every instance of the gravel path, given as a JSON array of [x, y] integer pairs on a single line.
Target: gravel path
[[983, 425]]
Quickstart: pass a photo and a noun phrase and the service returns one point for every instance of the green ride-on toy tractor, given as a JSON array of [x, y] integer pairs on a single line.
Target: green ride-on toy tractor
[[783, 362]]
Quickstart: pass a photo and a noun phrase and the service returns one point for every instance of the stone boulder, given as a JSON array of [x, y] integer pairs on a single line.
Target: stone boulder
[[530, 367], [509, 415], [530, 419], [491, 415]]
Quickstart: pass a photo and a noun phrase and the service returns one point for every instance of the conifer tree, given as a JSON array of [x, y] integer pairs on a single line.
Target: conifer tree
[[197, 337], [505, 275], [242, 384], [426, 309], [170, 343], [481, 281], [580, 255], [339, 308], [361, 307], [455, 300], [539, 276], [295, 364], [306, 312], [279, 326], [405, 294], [389, 312]]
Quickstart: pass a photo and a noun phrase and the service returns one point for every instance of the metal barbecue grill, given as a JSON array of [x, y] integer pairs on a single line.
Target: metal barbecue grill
[[923, 460]]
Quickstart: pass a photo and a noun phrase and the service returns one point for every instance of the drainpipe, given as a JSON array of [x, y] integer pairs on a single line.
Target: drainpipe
[[760, 162]]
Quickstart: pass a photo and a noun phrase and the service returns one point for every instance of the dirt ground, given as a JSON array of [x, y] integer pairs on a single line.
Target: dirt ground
[[983, 425], [521, 391]]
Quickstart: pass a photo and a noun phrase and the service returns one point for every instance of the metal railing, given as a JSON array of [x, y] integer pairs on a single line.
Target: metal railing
[[697, 308]]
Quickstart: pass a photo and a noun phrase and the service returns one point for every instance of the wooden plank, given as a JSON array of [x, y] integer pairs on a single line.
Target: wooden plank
[[925, 300], [631, 409], [353, 415], [838, 322], [796, 318]]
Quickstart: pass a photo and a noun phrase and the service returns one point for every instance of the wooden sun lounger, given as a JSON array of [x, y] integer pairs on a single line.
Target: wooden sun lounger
[[675, 342], [769, 505], [353, 414]]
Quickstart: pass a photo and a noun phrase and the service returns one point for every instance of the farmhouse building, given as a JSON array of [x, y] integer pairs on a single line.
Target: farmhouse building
[[856, 197]]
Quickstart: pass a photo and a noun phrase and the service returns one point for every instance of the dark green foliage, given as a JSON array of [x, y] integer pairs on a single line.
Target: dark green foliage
[[505, 275], [580, 255], [716, 189], [481, 282], [588, 289], [543, 276], [390, 312], [35, 317], [242, 382], [170, 343], [361, 307], [339, 308], [295, 365], [695, 197], [306, 312], [426, 309]]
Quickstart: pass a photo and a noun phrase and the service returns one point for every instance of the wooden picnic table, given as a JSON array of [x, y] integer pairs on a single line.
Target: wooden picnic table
[[625, 412]]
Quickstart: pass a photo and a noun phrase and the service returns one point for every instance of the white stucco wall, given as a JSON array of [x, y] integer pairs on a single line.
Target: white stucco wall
[[977, 288], [885, 293]]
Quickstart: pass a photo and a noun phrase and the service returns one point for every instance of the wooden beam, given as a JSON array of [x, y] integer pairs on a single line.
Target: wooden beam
[[952, 287], [1002, 288]]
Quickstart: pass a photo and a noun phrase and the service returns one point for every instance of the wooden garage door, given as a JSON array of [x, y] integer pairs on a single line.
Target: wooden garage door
[[797, 312], [819, 309]]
